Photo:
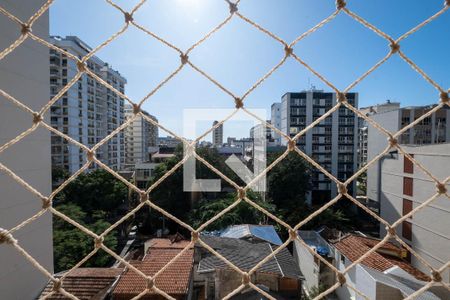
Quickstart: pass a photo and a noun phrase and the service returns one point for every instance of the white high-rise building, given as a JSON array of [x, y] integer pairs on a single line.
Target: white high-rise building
[[88, 112], [140, 137], [276, 121], [24, 75], [332, 143], [217, 135], [364, 127]]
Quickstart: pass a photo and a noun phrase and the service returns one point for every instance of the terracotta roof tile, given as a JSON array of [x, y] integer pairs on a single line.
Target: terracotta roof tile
[[353, 247], [86, 283], [174, 280]]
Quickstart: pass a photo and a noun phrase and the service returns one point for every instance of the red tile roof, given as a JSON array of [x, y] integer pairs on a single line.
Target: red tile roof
[[86, 283], [174, 280], [353, 247]]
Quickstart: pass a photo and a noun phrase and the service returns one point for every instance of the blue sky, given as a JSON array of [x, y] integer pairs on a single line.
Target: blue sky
[[238, 55]]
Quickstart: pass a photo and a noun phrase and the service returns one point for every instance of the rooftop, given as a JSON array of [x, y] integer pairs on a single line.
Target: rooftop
[[174, 280], [262, 232], [245, 255], [86, 283], [386, 257]]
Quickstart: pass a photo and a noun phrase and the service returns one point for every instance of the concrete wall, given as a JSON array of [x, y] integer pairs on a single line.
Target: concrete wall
[[430, 235], [308, 267], [24, 74], [378, 142], [356, 277]]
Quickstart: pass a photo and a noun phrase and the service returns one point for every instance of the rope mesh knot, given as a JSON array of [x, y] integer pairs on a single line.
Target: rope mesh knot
[[245, 279], [136, 108], [444, 97], [184, 58], [150, 283], [341, 97], [46, 203], [81, 66], [98, 242], [441, 188], [238, 102], [241, 193], [342, 188], [391, 231], [291, 145], [37, 118], [6, 237], [56, 285], [288, 50], [436, 276], [194, 236], [293, 234], [341, 278], [90, 155], [340, 4], [392, 141], [128, 17], [143, 197], [25, 29], [395, 47], [233, 7]]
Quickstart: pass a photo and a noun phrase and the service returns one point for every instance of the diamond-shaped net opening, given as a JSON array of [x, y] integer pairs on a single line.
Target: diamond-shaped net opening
[[146, 197]]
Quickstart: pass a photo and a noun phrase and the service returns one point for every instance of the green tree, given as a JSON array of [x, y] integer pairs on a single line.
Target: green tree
[[95, 191], [70, 244], [243, 213], [288, 183], [170, 195]]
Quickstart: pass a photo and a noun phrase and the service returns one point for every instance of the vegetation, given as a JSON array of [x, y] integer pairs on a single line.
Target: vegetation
[[93, 200], [70, 244], [243, 213]]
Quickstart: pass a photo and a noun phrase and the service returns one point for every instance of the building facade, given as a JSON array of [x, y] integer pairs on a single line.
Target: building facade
[[217, 138], [141, 137], [431, 130], [88, 112], [404, 187], [275, 118], [24, 75], [363, 127], [332, 143]]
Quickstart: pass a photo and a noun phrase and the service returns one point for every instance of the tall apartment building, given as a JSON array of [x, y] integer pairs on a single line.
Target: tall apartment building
[[88, 112], [275, 119], [431, 130], [363, 127], [140, 137], [332, 143], [217, 135], [24, 75], [404, 187]]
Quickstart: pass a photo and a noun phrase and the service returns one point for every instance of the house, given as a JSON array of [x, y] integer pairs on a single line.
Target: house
[[316, 273], [86, 283], [384, 274], [250, 232], [213, 279], [175, 280]]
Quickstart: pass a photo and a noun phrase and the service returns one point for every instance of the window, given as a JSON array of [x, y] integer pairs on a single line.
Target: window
[[408, 166], [407, 186], [407, 206], [407, 230]]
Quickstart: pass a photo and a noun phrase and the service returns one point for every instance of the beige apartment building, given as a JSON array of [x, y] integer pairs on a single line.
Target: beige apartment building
[[141, 137]]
